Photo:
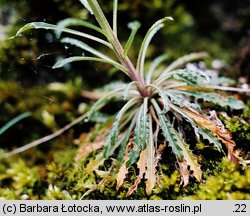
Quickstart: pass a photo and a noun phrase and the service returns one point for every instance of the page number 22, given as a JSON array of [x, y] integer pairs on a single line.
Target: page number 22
[[240, 208]]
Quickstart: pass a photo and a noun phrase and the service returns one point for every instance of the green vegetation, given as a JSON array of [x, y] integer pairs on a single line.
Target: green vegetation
[[162, 133], [229, 183]]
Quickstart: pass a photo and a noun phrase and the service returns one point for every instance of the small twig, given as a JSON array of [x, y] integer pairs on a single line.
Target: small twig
[[93, 95], [226, 88], [44, 139]]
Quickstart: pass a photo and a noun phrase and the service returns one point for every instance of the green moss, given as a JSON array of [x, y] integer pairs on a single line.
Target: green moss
[[54, 193], [18, 180], [239, 126], [63, 178], [20, 174], [230, 183], [169, 186]]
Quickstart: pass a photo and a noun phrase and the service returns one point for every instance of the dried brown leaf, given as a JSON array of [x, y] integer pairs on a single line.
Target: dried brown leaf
[[121, 175], [123, 171], [141, 164], [184, 172], [150, 174], [151, 161], [87, 148]]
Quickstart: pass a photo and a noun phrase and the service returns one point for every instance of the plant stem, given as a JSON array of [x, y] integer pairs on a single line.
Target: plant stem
[[136, 77], [101, 19]]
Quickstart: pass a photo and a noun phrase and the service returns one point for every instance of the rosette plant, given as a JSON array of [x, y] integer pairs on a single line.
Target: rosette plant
[[156, 102]]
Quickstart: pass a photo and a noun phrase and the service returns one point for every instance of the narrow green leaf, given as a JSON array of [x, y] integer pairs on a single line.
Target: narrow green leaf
[[150, 34], [112, 137], [95, 52], [60, 63], [86, 5], [233, 103], [134, 26], [207, 135], [181, 101], [75, 22], [134, 153], [164, 98], [14, 121], [114, 132], [215, 98], [36, 25], [125, 140], [152, 69], [168, 132], [141, 133], [180, 62], [103, 101], [86, 47], [126, 91], [47, 26], [191, 77], [194, 78], [182, 113]]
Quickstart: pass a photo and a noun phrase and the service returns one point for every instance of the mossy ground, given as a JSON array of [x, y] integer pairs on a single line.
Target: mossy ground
[[63, 178]]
